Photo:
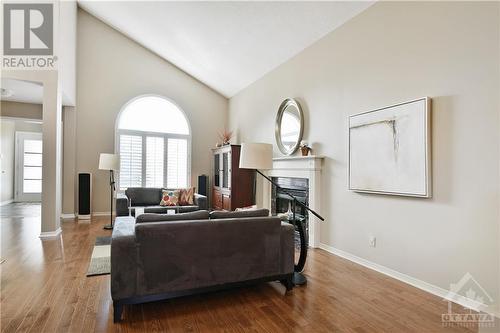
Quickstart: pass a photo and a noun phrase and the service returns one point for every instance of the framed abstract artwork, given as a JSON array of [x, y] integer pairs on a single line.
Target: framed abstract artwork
[[390, 150]]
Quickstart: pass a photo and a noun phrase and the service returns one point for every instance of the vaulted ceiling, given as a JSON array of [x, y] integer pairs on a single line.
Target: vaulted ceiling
[[226, 45]]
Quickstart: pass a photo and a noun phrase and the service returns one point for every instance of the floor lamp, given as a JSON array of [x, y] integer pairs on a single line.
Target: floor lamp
[[260, 156], [110, 162]]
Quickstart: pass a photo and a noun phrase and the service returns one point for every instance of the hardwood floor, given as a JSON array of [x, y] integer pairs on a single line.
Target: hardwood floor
[[44, 289]]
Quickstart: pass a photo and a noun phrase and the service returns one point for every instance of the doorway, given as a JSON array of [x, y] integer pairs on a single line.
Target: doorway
[[28, 177]]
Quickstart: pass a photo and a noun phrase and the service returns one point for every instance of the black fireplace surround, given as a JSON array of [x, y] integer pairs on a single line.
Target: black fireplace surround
[[281, 203]]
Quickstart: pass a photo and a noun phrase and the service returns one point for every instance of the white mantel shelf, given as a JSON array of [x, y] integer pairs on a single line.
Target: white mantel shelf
[[309, 157], [297, 163], [308, 167]]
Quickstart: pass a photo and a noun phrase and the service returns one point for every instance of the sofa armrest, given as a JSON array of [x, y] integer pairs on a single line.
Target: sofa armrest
[[200, 201], [287, 232], [123, 258], [122, 204]]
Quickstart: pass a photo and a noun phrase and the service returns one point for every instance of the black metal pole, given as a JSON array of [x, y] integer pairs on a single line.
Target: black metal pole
[[298, 277], [111, 190], [111, 197]]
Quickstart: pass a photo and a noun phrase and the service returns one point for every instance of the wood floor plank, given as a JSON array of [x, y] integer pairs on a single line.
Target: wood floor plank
[[44, 288]]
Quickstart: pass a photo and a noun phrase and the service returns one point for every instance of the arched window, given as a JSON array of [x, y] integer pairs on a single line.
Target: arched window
[[154, 142]]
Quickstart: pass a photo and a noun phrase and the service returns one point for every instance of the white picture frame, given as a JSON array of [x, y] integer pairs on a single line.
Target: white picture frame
[[390, 150]]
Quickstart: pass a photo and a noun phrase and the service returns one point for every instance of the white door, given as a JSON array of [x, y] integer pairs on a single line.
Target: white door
[[28, 171]]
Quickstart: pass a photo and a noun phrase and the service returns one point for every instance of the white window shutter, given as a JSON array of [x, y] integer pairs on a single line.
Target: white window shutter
[[155, 151], [177, 155], [130, 161]]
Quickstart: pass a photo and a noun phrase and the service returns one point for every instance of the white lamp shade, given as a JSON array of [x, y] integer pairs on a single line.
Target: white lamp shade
[[109, 161], [256, 156]]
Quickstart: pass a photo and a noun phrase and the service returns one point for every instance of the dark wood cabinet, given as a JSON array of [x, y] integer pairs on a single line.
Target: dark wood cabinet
[[232, 187]]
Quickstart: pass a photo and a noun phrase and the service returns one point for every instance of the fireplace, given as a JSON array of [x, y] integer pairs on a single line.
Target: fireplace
[[282, 203], [302, 176]]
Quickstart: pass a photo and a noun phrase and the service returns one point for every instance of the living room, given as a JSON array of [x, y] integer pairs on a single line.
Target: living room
[[159, 120]]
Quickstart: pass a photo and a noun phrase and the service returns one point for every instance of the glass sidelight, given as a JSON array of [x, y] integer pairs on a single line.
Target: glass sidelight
[[28, 166]]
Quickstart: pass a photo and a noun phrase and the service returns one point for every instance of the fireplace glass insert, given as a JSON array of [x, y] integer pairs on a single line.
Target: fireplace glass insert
[[282, 203]]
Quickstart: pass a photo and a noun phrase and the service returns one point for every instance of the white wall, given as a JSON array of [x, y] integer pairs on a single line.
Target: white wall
[[111, 70], [393, 52], [69, 160]]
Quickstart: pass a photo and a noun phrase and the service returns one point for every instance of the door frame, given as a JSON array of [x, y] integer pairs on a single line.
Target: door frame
[[19, 196]]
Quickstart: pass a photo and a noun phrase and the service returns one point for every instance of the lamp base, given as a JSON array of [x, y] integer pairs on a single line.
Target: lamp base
[[108, 227], [299, 279]]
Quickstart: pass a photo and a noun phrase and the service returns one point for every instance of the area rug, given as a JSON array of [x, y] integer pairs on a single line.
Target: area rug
[[100, 262]]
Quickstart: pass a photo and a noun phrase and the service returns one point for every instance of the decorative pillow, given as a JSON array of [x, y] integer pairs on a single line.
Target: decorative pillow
[[186, 196], [169, 198]]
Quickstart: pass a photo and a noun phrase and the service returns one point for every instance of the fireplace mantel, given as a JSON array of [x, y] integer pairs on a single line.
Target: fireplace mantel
[[301, 167], [298, 163]]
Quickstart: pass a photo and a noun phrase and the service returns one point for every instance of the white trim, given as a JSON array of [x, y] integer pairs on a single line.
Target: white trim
[[422, 285], [102, 214], [308, 157], [32, 120], [50, 234], [68, 216], [6, 202], [88, 217]]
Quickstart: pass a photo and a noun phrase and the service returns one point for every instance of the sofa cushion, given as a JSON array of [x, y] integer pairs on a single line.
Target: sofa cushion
[[159, 209], [170, 198], [222, 214], [165, 209], [148, 217], [142, 196], [185, 209]]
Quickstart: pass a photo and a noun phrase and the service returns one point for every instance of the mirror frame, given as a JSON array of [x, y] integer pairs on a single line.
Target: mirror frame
[[277, 127]]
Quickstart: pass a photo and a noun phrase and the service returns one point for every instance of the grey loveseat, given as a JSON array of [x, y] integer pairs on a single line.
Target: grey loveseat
[[151, 261], [149, 198]]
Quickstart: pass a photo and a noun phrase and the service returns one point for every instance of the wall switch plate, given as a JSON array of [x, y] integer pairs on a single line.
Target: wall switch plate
[[372, 241]]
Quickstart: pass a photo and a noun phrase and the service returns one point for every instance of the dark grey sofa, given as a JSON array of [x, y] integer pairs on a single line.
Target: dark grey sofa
[[157, 260], [149, 198]]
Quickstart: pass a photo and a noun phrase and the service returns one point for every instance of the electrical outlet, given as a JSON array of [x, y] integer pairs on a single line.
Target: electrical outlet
[[372, 241]]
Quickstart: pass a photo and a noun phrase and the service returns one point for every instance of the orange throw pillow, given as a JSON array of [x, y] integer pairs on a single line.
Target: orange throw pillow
[[186, 196], [170, 198]]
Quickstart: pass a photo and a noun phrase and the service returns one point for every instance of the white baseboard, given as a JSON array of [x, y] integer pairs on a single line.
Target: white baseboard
[[87, 217], [425, 286], [6, 202], [50, 234], [68, 216], [102, 214]]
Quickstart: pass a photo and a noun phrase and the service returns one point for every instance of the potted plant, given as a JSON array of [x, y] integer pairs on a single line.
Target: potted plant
[[226, 136], [304, 148]]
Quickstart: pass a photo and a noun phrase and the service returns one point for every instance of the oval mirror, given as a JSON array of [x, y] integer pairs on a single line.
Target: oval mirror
[[289, 126]]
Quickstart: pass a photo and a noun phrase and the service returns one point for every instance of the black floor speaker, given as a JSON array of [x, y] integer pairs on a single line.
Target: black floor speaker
[[84, 196], [203, 185]]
